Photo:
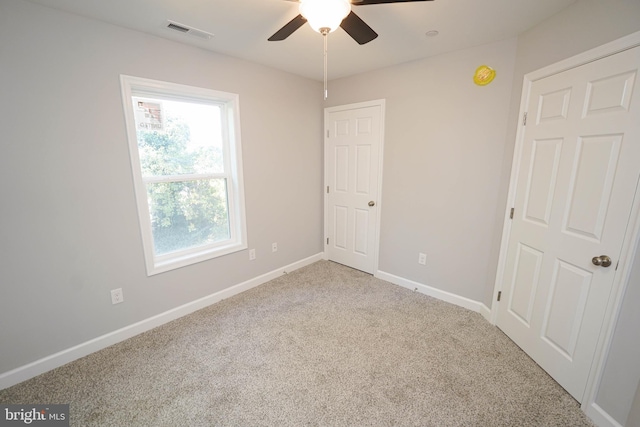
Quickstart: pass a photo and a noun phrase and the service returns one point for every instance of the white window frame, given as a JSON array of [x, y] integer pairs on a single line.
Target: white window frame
[[229, 104]]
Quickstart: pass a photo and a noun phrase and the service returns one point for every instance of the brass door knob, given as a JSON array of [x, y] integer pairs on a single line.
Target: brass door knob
[[601, 261], [372, 203]]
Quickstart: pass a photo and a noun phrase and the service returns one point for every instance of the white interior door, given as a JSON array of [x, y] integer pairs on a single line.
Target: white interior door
[[353, 142], [577, 176]]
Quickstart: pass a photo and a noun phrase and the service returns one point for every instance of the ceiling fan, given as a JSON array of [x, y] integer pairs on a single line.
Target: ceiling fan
[[327, 15]]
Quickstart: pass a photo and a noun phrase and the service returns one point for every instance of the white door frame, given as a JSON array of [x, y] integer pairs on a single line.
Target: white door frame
[[374, 103], [631, 238]]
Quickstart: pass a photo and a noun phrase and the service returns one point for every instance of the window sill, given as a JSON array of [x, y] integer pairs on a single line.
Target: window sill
[[156, 267]]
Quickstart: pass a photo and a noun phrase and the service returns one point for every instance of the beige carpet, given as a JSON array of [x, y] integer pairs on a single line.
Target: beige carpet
[[322, 346]]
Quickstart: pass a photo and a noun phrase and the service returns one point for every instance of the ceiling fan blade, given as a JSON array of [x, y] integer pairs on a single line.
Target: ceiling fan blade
[[288, 29], [358, 29], [366, 2]]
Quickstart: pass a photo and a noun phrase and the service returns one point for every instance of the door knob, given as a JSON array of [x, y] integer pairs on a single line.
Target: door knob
[[372, 203], [602, 261]]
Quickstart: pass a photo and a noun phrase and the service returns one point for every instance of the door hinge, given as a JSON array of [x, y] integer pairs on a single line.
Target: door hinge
[[499, 295], [327, 133], [511, 213], [327, 189], [327, 240], [524, 119]]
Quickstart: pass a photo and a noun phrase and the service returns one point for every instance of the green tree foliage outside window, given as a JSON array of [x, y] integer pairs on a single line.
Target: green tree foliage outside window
[[188, 203]]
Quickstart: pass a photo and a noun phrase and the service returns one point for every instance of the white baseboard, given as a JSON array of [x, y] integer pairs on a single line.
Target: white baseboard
[[599, 416], [486, 312], [23, 373], [433, 292]]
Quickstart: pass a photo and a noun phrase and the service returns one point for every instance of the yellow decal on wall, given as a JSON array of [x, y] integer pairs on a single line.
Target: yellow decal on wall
[[484, 75]]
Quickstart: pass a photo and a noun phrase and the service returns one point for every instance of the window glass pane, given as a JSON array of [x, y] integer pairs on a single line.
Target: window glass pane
[[176, 137], [187, 214]]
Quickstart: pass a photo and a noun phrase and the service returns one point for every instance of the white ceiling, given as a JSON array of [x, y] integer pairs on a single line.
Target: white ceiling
[[241, 28]]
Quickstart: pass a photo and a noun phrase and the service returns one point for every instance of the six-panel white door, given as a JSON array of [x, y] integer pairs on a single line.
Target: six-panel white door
[[352, 150], [578, 172]]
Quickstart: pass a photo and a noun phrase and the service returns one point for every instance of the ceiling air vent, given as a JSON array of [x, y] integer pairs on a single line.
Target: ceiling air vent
[[172, 25], [177, 27]]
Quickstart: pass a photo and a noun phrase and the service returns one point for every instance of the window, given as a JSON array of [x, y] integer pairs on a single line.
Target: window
[[185, 152]]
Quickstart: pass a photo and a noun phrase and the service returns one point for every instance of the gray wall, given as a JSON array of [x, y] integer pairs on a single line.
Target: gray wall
[[621, 376], [634, 415], [69, 227], [444, 142]]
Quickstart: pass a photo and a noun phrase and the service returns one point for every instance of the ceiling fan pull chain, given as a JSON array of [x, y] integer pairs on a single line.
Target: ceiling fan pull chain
[[325, 32]]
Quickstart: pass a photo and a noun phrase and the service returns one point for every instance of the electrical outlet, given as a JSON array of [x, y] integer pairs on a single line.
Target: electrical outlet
[[252, 254], [422, 258], [274, 247], [117, 296]]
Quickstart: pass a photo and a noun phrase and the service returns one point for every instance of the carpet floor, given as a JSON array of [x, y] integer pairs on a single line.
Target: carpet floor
[[325, 345]]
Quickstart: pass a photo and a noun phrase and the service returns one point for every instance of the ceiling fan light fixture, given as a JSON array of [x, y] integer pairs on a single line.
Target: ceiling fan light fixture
[[325, 13]]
